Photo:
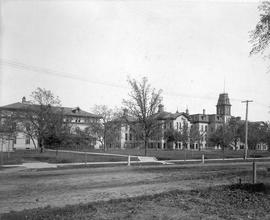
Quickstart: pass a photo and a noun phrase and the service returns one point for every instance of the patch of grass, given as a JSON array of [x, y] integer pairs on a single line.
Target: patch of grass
[[186, 154], [223, 202], [20, 156]]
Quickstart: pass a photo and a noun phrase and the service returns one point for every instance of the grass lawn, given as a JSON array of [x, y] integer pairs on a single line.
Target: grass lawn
[[21, 156], [244, 201], [187, 154]]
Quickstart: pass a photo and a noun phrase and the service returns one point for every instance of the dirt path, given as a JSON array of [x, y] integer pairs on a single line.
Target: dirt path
[[26, 189]]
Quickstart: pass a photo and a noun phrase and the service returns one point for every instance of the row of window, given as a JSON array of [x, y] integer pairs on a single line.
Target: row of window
[[204, 128], [178, 126], [77, 120], [126, 136]]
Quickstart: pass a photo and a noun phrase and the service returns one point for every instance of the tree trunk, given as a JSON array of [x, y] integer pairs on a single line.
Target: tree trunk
[[145, 146], [104, 142], [8, 147], [2, 146], [33, 141], [41, 144]]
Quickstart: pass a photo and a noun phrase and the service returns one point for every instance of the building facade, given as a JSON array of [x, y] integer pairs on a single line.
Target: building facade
[[128, 135], [204, 124], [74, 117]]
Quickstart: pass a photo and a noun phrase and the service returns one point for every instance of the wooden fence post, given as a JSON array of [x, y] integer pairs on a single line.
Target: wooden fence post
[[202, 158], [254, 172], [128, 160]]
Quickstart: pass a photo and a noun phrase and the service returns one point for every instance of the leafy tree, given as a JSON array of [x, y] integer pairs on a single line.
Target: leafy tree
[[195, 136], [185, 134], [7, 130], [260, 36], [41, 117], [258, 132], [57, 131], [172, 135], [142, 104], [223, 136], [102, 129], [235, 126], [267, 134]]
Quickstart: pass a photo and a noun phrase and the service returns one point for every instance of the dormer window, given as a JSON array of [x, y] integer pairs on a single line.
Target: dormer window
[[77, 109]]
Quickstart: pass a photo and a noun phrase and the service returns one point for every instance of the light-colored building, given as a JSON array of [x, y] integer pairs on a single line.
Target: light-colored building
[[128, 137], [74, 117]]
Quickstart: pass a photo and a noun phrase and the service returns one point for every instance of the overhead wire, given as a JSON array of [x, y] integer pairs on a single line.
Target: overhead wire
[[73, 76]]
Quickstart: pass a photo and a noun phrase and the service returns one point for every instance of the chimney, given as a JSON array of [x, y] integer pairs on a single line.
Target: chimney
[[204, 111], [23, 99], [187, 112], [160, 108]]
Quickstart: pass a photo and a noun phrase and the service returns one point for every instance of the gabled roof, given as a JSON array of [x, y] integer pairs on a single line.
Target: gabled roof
[[163, 115], [67, 111], [168, 115], [124, 118]]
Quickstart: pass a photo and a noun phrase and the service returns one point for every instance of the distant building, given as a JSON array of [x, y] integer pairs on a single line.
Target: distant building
[[208, 123], [205, 125], [127, 136], [75, 117]]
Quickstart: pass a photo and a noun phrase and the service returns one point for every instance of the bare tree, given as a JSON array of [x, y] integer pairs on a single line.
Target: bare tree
[[142, 104]]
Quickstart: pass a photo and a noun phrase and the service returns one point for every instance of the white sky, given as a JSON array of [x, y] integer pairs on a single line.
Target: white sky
[[83, 52]]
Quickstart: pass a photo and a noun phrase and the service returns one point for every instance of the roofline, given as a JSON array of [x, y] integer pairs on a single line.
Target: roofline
[[24, 108]]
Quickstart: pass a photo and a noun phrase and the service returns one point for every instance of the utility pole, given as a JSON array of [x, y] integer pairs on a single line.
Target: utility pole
[[246, 132]]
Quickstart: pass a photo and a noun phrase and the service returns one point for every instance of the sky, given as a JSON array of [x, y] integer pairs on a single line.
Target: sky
[[84, 51]]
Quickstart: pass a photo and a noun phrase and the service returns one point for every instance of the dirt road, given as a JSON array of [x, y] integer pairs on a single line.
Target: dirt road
[[25, 189]]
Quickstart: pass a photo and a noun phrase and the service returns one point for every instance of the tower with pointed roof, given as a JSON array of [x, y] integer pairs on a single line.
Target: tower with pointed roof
[[224, 106]]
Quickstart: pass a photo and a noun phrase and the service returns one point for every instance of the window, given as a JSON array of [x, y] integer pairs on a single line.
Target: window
[[180, 126], [126, 136], [177, 125], [130, 137], [27, 139], [206, 128], [201, 127]]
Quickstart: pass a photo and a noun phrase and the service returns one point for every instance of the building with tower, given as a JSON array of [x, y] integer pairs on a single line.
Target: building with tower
[[203, 124], [208, 123]]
